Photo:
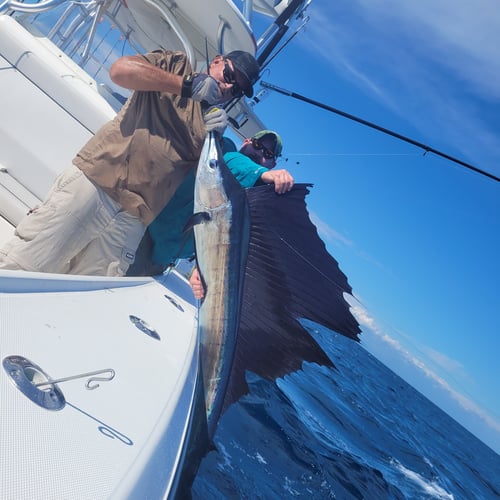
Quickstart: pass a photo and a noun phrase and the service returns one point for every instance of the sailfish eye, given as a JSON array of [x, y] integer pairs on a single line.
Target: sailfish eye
[[213, 163]]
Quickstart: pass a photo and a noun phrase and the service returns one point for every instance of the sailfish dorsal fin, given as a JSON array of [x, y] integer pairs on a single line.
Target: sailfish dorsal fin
[[289, 275]]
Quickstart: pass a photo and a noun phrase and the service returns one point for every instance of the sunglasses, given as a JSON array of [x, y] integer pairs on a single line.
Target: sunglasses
[[230, 77], [267, 153]]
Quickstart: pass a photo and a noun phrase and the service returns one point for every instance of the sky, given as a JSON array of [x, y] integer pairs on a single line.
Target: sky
[[417, 235]]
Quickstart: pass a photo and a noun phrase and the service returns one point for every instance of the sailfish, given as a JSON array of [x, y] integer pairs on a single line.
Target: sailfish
[[264, 267]]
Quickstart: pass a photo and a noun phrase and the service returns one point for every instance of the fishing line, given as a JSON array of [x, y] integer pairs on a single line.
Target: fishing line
[[280, 49], [425, 147], [206, 56], [352, 154], [111, 50], [417, 354], [307, 261]]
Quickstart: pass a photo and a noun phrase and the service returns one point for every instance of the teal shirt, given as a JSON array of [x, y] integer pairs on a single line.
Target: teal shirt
[[246, 171], [167, 230]]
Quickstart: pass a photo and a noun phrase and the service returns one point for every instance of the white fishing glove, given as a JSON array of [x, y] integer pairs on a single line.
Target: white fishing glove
[[215, 120], [201, 87]]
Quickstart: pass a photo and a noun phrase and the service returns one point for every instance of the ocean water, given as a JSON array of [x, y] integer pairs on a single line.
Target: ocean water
[[355, 431]]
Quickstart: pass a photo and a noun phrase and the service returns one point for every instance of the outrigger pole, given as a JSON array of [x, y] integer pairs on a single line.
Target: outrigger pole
[[378, 127]]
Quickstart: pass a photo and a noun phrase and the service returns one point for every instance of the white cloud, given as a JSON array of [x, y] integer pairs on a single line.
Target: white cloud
[[326, 232], [434, 63], [462, 35], [329, 235], [450, 365], [365, 319]]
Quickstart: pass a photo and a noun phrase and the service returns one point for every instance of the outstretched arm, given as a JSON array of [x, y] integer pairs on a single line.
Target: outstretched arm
[[282, 180], [135, 73]]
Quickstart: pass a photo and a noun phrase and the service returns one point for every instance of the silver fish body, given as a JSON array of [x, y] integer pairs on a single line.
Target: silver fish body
[[221, 234]]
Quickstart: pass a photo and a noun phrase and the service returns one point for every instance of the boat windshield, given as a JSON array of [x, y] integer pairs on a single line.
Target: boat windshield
[[90, 35]]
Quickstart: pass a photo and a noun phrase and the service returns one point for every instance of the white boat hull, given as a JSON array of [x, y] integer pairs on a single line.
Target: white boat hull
[[123, 439]]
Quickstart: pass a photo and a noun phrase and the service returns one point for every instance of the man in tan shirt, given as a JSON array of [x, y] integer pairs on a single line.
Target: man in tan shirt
[[97, 210]]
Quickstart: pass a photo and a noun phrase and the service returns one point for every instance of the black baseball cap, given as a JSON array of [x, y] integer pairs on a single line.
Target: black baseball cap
[[246, 64]]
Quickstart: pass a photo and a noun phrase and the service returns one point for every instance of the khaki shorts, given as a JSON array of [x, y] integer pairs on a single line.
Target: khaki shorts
[[79, 229]]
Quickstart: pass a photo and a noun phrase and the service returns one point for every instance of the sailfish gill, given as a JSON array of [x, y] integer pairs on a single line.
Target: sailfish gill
[[221, 228]]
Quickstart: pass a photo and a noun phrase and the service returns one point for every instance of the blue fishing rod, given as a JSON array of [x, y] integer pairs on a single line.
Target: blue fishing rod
[[426, 148]]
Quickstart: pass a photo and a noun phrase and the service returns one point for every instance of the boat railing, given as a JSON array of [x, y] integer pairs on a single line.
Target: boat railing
[[81, 30], [44, 5], [76, 29]]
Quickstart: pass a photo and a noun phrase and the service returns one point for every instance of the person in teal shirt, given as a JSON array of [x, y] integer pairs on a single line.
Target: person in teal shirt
[[164, 241]]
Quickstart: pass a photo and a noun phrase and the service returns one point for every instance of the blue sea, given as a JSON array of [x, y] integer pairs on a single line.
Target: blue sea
[[354, 431]]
